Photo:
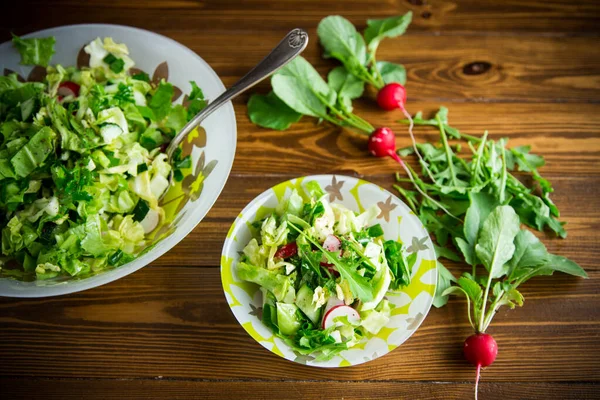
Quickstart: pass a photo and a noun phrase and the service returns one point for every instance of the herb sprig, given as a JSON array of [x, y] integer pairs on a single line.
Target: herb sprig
[[490, 203]]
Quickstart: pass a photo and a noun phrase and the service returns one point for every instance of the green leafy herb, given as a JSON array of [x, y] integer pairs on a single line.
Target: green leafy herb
[[160, 104], [301, 87], [490, 204], [195, 101], [269, 111], [342, 41], [115, 64], [35, 51]]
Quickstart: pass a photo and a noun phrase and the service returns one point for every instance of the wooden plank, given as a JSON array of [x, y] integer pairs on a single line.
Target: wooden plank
[[31, 389], [539, 69], [174, 323], [565, 134], [432, 16]]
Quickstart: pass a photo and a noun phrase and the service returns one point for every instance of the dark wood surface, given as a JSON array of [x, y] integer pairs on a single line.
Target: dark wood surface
[[166, 331]]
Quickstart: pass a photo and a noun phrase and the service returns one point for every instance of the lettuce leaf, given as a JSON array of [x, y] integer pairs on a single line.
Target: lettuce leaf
[[35, 51]]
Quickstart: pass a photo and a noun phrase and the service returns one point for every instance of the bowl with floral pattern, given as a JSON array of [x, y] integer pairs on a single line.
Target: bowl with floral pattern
[[409, 305]]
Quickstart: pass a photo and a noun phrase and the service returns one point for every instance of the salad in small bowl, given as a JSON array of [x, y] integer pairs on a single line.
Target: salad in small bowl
[[328, 270]]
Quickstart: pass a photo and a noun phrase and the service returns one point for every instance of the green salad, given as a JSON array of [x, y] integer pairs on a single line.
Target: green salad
[[323, 271], [82, 162]]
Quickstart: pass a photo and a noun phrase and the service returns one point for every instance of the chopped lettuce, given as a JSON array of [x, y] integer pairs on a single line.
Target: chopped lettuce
[[35, 51], [81, 163], [311, 256]]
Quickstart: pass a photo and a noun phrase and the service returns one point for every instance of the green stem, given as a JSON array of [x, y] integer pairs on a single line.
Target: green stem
[[479, 157], [485, 299], [357, 122], [493, 310], [503, 178], [365, 123], [403, 192], [377, 73], [447, 149], [470, 138]]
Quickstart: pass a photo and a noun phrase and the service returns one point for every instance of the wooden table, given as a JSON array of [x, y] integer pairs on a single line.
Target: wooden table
[[166, 331]]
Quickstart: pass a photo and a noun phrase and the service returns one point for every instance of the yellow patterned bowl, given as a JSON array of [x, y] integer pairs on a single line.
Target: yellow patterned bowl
[[409, 306], [212, 149]]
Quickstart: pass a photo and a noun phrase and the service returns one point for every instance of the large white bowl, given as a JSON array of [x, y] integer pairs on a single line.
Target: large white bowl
[[212, 155], [410, 305]]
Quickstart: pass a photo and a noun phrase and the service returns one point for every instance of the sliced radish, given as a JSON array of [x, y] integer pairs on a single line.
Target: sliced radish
[[331, 268], [333, 301], [332, 243], [68, 88], [287, 250], [340, 311]]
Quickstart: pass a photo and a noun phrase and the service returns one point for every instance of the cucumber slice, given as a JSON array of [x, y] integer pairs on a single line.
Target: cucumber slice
[[304, 299], [287, 320]]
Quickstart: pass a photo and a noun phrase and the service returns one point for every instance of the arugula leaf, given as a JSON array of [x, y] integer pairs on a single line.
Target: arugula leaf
[[359, 285], [379, 29], [269, 111], [446, 253], [481, 206], [35, 51], [529, 252], [495, 245], [391, 72], [444, 281], [563, 264]]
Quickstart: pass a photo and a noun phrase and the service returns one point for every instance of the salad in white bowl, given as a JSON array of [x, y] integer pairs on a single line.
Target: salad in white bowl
[[82, 162]]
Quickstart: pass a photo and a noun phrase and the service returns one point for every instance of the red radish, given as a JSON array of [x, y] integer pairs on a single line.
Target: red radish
[[330, 268], [287, 250], [382, 143], [340, 311], [480, 350], [68, 88], [392, 96], [332, 243]]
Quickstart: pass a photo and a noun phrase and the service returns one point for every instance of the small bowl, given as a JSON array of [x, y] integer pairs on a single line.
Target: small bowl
[[186, 203], [410, 305]]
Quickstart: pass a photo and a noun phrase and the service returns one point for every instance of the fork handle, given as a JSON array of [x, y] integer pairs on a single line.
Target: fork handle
[[291, 46]]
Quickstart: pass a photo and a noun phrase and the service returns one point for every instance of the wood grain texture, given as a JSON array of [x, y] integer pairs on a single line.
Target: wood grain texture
[[160, 389], [173, 322], [470, 17], [166, 331], [539, 69]]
